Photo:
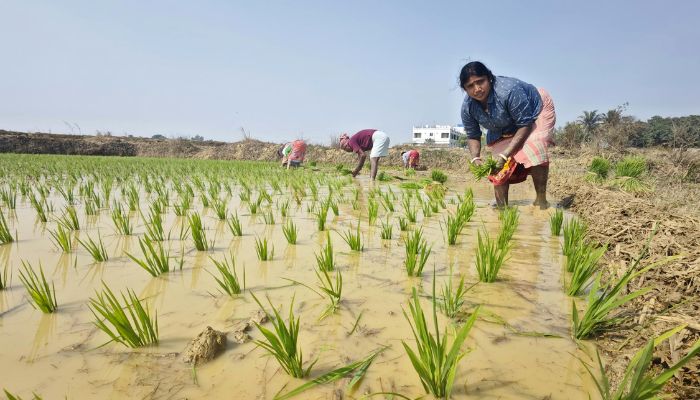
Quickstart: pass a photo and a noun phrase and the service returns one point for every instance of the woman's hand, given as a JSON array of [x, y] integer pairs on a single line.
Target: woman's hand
[[500, 163]]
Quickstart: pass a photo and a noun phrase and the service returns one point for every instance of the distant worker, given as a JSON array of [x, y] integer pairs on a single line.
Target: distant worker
[[368, 140], [410, 158], [292, 153], [520, 121]]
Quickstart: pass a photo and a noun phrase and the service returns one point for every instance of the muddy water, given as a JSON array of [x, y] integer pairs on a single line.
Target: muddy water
[[61, 355]]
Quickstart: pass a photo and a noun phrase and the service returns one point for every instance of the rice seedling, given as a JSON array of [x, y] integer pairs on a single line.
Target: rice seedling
[[228, 278], [67, 193], [640, 382], [5, 278], [599, 169], [284, 208], [632, 166], [602, 300], [434, 360], [411, 214], [403, 224], [9, 196], [132, 198], [154, 225], [321, 216], [372, 211], [355, 205], [383, 177], [156, 259], [555, 222], [90, 207], [254, 206], [290, 232], [5, 234], [490, 257], [264, 251], [509, 217], [438, 176], [269, 218], [42, 295], [483, 170], [69, 219], [332, 288], [325, 259], [583, 264], [62, 238], [282, 343], [11, 396], [454, 225], [198, 232], [220, 208], [121, 220], [96, 249], [466, 209], [574, 232], [451, 297], [39, 206], [353, 239], [128, 323], [234, 224], [417, 253], [427, 210], [334, 208], [387, 229]]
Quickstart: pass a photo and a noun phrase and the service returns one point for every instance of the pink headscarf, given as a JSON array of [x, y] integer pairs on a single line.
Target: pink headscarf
[[344, 139]]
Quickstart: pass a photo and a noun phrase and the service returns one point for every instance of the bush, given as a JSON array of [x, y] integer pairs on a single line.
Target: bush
[[438, 176]]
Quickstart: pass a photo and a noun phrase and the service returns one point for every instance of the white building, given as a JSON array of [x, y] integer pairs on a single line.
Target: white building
[[437, 135]]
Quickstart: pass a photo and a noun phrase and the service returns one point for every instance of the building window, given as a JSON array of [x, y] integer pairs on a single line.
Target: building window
[[416, 135], [445, 135], [431, 133]]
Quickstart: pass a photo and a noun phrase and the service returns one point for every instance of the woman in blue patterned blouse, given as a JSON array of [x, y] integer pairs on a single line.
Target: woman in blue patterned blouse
[[519, 119]]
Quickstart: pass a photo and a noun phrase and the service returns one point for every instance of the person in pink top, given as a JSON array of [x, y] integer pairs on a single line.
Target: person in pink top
[[372, 141]]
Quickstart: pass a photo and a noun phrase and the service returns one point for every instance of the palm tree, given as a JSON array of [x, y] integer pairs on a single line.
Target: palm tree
[[590, 120]]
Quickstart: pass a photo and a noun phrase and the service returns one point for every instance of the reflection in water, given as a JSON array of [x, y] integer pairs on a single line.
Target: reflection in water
[[44, 332]]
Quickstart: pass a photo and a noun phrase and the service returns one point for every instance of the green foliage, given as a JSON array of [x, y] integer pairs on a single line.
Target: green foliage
[[264, 251], [353, 239], [234, 224], [387, 229], [332, 288], [490, 257], [121, 220], [583, 264], [96, 249], [383, 177], [632, 166], [198, 231], [156, 259], [438, 176], [555, 222], [128, 323], [290, 232], [62, 238], [372, 211], [574, 232], [5, 278], [324, 259], [69, 219], [509, 217], [451, 297], [417, 253], [483, 170], [599, 169], [42, 295], [228, 278]]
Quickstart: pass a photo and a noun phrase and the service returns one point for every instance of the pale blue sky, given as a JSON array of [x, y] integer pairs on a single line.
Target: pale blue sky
[[314, 68]]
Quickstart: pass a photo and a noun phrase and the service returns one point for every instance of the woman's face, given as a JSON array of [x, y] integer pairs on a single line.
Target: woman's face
[[478, 87]]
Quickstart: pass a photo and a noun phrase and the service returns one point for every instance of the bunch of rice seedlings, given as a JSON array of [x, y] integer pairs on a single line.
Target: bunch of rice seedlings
[[254, 206], [282, 342], [96, 249], [387, 202], [42, 295], [324, 259], [574, 232], [290, 232], [154, 225], [69, 219], [640, 381], [128, 323], [355, 205], [220, 208], [403, 224], [228, 278], [265, 252], [599, 169], [91, 207], [434, 360], [156, 260], [629, 172], [269, 218], [332, 288], [353, 239], [9, 196], [483, 170], [427, 210], [438, 176], [185, 203], [372, 211], [39, 206], [334, 208], [387, 229], [451, 297], [284, 208], [132, 198], [67, 193], [604, 299], [411, 213], [509, 217], [417, 253], [5, 278], [454, 225], [5, 234], [121, 221], [156, 207], [490, 257], [321, 216], [198, 231], [62, 238], [234, 224], [583, 264], [555, 222]]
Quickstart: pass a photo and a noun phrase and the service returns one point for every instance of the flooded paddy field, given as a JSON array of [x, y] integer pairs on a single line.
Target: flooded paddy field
[[519, 347]]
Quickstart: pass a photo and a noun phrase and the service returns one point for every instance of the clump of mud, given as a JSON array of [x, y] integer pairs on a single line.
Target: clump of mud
[[241, 327], [205, 347]]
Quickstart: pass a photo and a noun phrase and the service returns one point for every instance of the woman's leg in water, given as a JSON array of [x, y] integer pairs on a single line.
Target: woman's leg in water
[[540, 174], [501, 193]]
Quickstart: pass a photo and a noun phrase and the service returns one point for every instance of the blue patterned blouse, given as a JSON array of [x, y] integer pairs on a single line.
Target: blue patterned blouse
[[512, 104]]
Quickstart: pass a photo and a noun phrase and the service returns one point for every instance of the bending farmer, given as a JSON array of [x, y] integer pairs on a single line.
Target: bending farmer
[[368, 140], [292, 153], [410, 158], [520, 122]]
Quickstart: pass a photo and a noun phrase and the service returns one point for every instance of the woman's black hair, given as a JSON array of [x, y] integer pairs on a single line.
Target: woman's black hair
[[403, 152], [474, 68]]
